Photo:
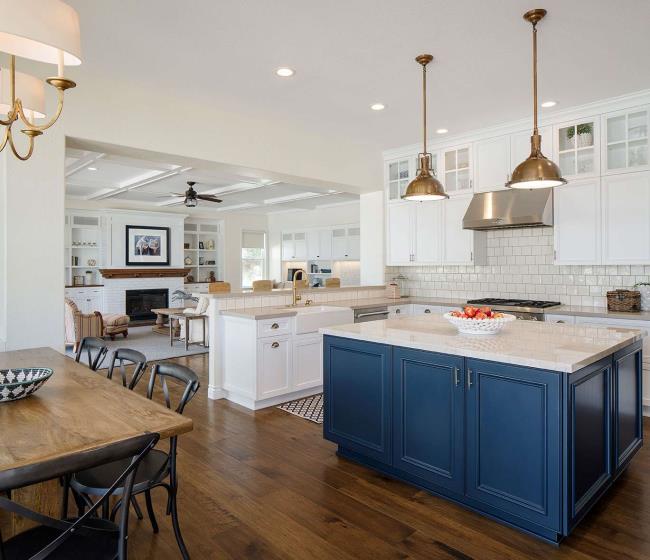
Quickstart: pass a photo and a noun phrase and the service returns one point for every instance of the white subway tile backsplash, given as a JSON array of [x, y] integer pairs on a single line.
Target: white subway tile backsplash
[[520, 264]]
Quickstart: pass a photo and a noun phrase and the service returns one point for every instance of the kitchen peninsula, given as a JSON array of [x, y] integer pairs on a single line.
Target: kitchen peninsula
[[530, 426]]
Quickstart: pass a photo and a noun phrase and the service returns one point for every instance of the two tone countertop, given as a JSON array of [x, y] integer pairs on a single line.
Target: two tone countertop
[[550, 346]]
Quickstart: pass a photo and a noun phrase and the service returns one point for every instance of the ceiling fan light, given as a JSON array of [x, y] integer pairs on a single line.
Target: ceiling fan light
[[39, 29], [191, 202]]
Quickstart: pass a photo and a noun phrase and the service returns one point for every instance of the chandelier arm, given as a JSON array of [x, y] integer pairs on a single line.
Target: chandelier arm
[[41, 127], [4, 140], [11, 118], [13, 147]]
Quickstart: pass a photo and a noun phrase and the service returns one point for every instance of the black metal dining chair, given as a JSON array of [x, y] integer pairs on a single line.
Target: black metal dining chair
[[87, 536], [125, 356], [95, 349], [157, 467]]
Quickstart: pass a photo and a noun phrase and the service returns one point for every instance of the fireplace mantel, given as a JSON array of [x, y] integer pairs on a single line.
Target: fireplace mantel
[[118, 273]]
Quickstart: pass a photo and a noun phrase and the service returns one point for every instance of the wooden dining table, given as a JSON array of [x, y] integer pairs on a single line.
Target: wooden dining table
[[75, 410]]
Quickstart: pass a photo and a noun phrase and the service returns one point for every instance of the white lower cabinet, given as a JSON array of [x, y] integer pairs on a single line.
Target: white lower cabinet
[[396, 311], [87, 300], [273, 366], [552, 318], [420, 309], [307, 361]]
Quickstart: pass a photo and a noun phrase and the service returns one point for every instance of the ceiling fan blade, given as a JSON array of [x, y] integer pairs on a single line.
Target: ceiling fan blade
[[170, 194], [208, 197]]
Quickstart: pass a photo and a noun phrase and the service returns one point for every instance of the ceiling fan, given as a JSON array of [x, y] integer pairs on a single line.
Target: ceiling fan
[[192, 197]]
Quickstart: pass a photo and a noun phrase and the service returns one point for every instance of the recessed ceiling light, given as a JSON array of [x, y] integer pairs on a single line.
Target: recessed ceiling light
[[548, 104], [442, 131], [91, 168], [378, 106], [285, 72]]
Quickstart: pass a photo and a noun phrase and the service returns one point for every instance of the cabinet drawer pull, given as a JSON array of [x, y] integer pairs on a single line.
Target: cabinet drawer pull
[[469, 379], [456, 377], [398, 311], [427, 310], [275, 345], [275, 326]]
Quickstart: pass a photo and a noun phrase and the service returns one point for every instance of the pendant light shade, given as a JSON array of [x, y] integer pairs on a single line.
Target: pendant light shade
[[39, 29], [537, 171], [425, 186]]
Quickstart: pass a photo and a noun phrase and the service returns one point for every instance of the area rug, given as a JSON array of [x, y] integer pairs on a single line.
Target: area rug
[[153, 346], [310, 408]]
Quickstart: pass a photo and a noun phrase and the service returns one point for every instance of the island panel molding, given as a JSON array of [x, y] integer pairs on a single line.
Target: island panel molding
[[144, 273]]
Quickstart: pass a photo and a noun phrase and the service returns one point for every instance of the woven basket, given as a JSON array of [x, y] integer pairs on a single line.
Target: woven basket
[[623, 300]]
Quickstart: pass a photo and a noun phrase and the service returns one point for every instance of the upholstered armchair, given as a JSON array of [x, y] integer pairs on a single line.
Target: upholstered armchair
[[196, 327], [78, 325]]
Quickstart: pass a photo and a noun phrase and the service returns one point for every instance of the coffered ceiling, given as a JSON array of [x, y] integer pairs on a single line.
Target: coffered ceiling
[[109, 177]]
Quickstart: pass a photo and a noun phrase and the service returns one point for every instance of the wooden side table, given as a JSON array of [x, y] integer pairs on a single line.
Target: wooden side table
[[187, 317], [162, 313]]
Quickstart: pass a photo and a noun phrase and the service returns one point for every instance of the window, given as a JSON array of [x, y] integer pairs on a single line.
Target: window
[[253, 257]]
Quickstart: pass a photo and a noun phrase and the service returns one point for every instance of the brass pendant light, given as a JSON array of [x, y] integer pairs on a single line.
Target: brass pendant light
[[537, 171], [425, 186]]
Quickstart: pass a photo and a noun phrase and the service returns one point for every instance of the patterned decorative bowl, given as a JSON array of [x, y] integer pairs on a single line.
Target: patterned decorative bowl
[[21, 382], [479, 326]]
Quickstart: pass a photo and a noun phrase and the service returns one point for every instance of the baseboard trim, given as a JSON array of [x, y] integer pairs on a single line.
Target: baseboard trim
[[216, 393], [253, 404]]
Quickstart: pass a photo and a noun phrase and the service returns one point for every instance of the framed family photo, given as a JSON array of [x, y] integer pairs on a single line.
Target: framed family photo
[[147, 246]]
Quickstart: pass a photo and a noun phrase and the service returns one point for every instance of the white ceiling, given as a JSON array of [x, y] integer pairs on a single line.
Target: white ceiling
[[109, 178], [350, 54]]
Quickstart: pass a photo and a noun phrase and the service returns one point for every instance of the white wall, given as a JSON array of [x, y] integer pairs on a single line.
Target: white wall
[[321, 217], [372, 238], [32, 244], [234, 224], [116, 222]]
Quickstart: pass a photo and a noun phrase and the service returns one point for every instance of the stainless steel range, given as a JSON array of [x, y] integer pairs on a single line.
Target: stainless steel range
[[524, 309]]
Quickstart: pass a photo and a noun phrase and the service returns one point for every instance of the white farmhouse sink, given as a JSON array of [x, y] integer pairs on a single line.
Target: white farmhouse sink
[[313, 317]]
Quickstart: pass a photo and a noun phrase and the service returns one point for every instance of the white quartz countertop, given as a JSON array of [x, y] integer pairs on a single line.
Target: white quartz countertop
[[551, 346]]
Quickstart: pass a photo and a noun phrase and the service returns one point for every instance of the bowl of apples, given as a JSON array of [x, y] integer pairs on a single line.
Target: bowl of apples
[[478, 320]]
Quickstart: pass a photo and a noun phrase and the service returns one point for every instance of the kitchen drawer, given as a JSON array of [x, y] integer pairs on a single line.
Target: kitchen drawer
[[274, 327], [419, 309], [551, 318], [395, 311]]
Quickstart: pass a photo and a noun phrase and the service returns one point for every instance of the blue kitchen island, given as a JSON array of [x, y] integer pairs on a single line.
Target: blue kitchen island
[[530, 426]]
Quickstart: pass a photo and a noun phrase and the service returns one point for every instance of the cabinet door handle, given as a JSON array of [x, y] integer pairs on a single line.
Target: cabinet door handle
[[275, 326], [456, 377], [469, 379], [275, 345], [397, 311]]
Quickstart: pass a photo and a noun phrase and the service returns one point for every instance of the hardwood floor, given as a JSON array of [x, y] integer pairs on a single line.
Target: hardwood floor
[[266, 485]]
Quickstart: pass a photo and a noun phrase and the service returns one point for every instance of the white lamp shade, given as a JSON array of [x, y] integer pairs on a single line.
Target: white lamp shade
[[38, 29], [30, 90]]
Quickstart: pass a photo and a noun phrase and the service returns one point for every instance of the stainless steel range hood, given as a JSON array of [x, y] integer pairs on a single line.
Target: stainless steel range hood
[[510, 209]]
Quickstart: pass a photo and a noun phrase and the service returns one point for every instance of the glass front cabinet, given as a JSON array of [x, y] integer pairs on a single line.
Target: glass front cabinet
[[399, 173], [457, 162], [576, 148], [625, 141]]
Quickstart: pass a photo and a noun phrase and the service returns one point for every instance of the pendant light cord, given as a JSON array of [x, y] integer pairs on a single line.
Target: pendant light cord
[[424, 104], [535, 130]]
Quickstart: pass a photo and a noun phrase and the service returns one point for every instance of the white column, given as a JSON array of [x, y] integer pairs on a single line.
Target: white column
[[32, 214], [372, 222]]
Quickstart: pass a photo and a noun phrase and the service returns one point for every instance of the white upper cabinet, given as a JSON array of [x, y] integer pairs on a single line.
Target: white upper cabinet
[[458, 243], [319, 244], [346, 243], [491, 164], [577, 231], [576, 148], [625, 140], [520, 145], [399, 173], [428, 227], [626, 227], [400, 233], [294, 246], [457, 169]]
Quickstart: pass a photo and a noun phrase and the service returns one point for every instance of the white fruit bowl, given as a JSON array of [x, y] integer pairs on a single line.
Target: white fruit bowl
[[479, 326]]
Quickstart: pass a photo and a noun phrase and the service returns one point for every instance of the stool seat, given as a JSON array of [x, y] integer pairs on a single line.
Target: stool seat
[[116, 323]]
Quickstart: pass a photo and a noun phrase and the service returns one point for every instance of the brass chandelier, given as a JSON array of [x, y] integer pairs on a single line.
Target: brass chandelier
[[536, 171], [425, 186], [45, 31]]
